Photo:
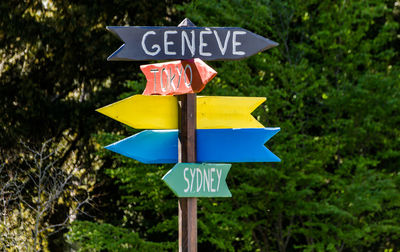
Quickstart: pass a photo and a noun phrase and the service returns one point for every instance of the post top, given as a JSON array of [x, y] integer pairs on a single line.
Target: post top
[[186, 22]]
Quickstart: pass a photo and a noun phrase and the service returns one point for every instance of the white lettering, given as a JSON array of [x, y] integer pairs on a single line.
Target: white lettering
[[179, 74], [202, 44], [219, 178], [222, 48], [235, 43], [206, 178], [188, 41], [191, 76], [198, 179], [155, 71], [156, 46], [171, 79], [212, 170], [198, 171], [193, 175], [161, 79], [167, 43], [187, 180], [190, 46]]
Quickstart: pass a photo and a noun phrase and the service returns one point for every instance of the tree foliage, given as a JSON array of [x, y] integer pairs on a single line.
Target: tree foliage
[[97, 237]]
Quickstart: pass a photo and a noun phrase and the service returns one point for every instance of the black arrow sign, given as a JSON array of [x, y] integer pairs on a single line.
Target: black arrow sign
[[207, 43]]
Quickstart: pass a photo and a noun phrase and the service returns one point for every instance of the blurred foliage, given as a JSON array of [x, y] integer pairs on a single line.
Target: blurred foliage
[[53, 75], [332, 86], [92, 236]]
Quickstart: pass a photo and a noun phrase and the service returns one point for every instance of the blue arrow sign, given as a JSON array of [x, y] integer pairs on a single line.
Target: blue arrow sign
[[149, 146], [213, 145]]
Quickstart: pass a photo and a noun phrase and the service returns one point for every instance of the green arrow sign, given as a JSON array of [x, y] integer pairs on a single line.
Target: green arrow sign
[[198, 180]]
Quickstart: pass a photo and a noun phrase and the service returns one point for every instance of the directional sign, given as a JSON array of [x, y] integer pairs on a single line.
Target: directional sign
[[207, 43], [149, 146], [161, 112], [198, 180], [177, 77], [213, 145]]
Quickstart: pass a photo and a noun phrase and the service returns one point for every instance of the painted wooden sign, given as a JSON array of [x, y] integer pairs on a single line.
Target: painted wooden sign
[[177, 77], [149, 146], [207, 43], [198, 180], [161, 112], [213, 145]]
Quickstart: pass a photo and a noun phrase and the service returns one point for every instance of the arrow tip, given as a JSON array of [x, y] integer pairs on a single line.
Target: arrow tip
[[273, 157], [186, 23], [273, 43], [207, 72], [99, 110], [269, 44], [103, 110]]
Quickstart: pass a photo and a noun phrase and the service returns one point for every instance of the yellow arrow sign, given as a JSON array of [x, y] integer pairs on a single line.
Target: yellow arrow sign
[[161, 112]]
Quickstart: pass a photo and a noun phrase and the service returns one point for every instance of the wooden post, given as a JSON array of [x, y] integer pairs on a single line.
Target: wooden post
[[187, 154], [187, 207]]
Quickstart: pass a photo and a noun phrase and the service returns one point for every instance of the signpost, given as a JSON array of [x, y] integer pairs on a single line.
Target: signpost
[[177, 77], [192, 129], [161, 112]]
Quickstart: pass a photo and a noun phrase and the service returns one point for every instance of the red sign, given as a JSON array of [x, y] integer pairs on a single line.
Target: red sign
[[177, 77]]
